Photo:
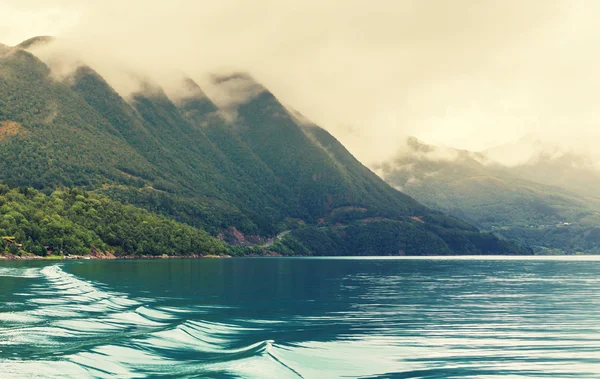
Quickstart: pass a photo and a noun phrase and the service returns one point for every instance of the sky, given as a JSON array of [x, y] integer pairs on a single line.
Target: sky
[[470, 74]]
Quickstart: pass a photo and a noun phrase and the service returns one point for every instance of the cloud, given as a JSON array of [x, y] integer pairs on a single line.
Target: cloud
[[464, 73], [20, 20]]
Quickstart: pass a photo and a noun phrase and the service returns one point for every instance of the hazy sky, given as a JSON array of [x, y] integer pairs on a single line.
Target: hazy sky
[[464, 73]]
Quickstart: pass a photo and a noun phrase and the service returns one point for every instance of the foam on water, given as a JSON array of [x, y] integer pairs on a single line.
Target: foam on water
[[12, 272]]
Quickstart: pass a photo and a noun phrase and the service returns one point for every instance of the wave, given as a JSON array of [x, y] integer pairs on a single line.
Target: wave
[[69, 327], [15, 272]]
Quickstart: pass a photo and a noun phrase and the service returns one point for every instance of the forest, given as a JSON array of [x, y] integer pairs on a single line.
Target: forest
[[72, 221]]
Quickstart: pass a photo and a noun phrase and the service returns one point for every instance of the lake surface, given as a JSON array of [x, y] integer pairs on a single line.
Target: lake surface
[[293, 318]]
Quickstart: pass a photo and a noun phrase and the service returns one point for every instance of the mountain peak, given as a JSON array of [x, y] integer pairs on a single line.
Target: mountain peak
[[4, 49], [234, 76], [231, 90], [417, 149], [187, 88], [419, 146], [35, 41], [192, 100]]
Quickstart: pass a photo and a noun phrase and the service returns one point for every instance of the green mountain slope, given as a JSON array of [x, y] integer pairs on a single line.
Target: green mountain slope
[[497, 198], [244, 181], [56, 137]]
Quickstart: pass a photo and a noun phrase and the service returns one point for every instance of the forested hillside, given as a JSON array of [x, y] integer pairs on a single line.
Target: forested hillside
[[244, 180], [76, 222]]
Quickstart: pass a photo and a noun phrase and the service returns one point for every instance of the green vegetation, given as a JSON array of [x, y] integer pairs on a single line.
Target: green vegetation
[[262, 174], [77, 222], [392, 237]]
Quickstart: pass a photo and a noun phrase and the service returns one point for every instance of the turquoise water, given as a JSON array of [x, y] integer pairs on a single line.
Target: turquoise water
[[309, 318]]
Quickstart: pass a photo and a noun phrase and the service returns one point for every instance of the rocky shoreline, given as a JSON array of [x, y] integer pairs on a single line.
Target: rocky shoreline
[[104, 256]]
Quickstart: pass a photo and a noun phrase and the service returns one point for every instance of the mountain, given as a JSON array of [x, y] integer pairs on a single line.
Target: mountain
[[35, 41], [246, 177], [519, 202]]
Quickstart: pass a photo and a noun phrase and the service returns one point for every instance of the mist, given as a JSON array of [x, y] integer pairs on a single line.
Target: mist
[[466, 74]]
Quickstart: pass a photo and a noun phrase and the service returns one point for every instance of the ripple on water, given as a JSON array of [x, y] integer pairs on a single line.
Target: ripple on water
[[410, 323]]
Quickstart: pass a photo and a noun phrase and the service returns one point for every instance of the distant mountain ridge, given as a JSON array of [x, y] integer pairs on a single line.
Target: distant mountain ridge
[[244, 180], [534, 202], [549, 163]]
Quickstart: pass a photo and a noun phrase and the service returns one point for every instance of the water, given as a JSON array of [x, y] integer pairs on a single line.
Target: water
[[293, 318]]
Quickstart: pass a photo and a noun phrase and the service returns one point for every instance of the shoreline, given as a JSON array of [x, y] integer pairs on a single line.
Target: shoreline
[[10, 257], [108, 256]]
